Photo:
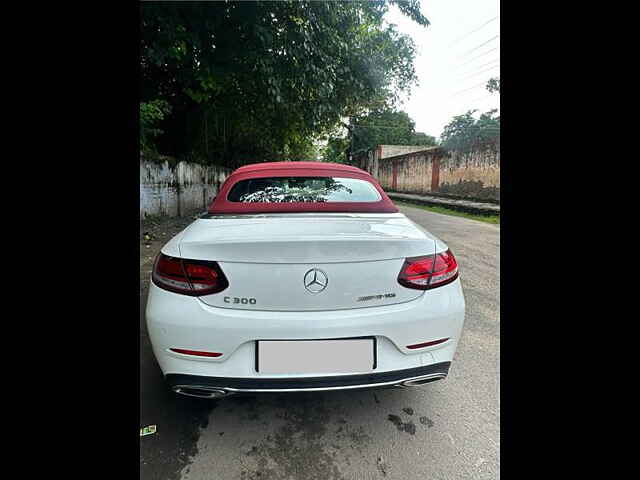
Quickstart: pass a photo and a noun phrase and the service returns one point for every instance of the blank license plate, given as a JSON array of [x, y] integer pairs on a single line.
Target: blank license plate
[[316, 356]]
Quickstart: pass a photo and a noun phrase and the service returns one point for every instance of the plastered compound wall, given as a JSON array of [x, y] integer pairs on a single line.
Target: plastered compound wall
[[179, 190], [434, 170]]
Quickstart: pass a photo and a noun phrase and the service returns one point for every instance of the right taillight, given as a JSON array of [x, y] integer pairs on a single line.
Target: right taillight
[[189, 277], [430, 271]]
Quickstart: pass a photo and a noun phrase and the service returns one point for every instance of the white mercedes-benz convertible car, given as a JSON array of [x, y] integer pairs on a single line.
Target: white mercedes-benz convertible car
[[303, 276]]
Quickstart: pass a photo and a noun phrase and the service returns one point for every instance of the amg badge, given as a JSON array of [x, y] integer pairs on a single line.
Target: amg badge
[[376, 297]]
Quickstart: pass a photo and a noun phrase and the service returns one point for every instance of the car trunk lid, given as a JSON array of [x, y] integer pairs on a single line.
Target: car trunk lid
[[298, 262]]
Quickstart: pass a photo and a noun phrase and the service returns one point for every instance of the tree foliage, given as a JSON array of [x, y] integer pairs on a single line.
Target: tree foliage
[[257, 81], [378, 127], [493, 85], [336, 149], [391, 127], [465, 133], [151, 114]]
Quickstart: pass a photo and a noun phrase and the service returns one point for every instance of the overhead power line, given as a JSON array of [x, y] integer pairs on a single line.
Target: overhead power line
[[472, 31], [482, 55], [471, 88], [485, 129], [481, 98], [485, 64], [378, 126], [475, 48], [482, 71]]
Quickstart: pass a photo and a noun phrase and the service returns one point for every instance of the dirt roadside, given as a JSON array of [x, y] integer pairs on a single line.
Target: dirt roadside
[[178, 419]]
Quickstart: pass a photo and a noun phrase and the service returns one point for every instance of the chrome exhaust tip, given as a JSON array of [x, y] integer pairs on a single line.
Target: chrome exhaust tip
[[200, 392], [414, 382]]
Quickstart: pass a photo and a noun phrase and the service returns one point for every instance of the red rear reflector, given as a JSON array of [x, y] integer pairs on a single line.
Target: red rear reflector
[[196, 353], [430, 271], [189, 277], [427, 344]]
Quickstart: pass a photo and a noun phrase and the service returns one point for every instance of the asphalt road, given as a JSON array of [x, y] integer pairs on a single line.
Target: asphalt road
[[444, 430]]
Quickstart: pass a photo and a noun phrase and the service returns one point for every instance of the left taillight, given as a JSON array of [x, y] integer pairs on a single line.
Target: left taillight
[[430, 271], [188, 277]]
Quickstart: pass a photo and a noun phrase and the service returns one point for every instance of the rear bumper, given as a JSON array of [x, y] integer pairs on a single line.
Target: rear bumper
[[215, 387], [179, 321]]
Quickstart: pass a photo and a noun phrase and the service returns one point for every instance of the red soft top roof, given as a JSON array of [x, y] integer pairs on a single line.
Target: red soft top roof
[[299, 169], [255, 167]]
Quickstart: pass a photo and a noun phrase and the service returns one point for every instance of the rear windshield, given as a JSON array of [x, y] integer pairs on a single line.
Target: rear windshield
[[303, 189]]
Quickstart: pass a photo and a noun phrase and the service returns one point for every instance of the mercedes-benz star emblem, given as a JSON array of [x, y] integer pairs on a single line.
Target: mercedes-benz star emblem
[[315, 280]]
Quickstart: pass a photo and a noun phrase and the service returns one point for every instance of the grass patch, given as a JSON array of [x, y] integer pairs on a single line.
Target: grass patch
[[494, 219]]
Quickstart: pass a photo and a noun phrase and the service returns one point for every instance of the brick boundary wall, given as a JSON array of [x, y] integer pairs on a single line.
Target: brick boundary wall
[[475, 174]]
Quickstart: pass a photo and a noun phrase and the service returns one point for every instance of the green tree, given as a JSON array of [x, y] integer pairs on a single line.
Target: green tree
[[253, 81], [378, 127], [465, 133], [336, 149], [386, 126], [493, 85], [151, 114]]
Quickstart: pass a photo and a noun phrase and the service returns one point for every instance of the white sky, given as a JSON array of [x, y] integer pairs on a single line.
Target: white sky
[[445, 64]]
